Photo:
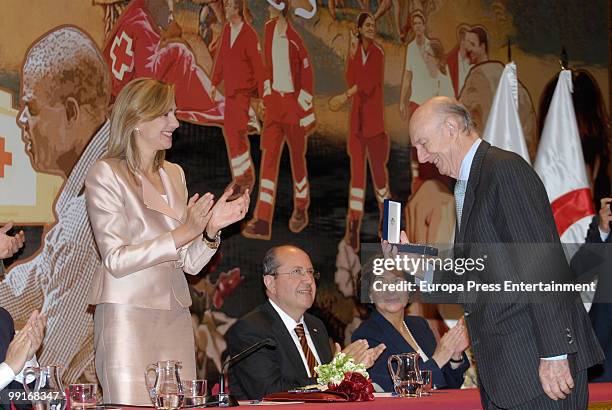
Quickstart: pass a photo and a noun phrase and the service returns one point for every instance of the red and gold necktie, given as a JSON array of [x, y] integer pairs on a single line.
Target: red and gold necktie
[[310, 358]]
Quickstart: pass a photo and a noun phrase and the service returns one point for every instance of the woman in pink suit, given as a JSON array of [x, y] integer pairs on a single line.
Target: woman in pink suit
[[148, 233], [367, 139]]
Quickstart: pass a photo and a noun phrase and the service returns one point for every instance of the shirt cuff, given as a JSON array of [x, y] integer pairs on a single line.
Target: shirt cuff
[[30, 363], [560, 357], [603, 235], [6, 375], [455, 365]]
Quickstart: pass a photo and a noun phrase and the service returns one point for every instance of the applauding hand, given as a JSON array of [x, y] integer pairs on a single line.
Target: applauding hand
[[9, 245], [196, 220], [225, 212], [452, 344], [26, 342]]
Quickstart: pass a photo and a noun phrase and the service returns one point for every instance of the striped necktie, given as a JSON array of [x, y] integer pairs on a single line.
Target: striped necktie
[[460, 187], [310, 358]]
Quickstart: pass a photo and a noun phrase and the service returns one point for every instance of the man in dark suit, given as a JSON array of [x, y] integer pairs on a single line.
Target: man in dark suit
[[17, 351], [301, 339], [594, 258], [529, 355]]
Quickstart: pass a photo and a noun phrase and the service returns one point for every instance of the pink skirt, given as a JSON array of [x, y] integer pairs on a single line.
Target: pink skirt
[[128, 338]]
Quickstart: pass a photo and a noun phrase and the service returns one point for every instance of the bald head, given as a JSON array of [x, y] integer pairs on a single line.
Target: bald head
[[289, 279], [65, 92], [442, 132], [69, 63], [437, 109]]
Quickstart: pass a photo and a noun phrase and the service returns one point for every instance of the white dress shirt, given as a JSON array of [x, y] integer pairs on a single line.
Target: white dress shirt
[[290, 324], [7, 375]]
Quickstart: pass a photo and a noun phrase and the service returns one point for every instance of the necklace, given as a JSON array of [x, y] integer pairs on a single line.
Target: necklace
[[416, 346]]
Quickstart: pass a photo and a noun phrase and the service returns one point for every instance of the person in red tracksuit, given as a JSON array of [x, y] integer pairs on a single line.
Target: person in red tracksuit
[[289, 116], [367, 139], [239, 65], [134, 49]]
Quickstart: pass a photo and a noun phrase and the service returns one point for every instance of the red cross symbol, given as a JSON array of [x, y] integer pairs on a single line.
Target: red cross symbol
[[6, 158], [122, 54]]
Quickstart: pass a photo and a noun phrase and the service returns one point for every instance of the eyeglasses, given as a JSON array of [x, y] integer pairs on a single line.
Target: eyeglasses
[[301, 273]]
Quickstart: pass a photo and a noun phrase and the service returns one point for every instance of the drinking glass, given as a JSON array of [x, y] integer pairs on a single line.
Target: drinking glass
[[427, 383], [195, 392], [83, 396]]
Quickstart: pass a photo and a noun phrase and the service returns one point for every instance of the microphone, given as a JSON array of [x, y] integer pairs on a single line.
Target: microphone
[[223, 399]]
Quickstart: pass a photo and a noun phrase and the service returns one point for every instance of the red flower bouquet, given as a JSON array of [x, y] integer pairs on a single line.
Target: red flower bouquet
[[356, 386]]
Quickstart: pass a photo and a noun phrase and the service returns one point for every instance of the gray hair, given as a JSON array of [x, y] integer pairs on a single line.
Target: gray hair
[[270, 264], [457, 110]]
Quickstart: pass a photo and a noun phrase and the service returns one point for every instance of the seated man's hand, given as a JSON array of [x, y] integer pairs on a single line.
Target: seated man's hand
[[361, 352], [355, 349], [36, 328], [19, 351]]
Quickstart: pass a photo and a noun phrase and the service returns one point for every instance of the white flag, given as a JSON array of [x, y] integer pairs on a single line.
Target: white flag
[[503, 128], [560, 165]]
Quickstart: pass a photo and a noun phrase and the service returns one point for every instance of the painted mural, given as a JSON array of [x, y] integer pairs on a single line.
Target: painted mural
[[305, 103]]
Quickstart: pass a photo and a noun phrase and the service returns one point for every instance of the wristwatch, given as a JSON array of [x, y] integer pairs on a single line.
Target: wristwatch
[[212, 243]]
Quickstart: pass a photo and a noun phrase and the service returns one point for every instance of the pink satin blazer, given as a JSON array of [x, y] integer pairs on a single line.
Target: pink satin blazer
[[131, 223]]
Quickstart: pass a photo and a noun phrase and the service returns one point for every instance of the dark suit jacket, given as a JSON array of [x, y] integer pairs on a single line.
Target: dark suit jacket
[[378, 330], [594, 259], [506, 203], [271, 370]]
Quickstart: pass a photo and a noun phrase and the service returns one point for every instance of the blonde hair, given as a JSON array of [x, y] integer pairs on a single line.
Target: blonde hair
[[143, 99]]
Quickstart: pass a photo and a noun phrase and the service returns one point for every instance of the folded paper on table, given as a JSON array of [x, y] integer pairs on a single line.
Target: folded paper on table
[[306, 396]]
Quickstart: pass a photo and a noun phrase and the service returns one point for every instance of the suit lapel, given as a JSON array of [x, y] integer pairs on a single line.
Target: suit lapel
[[152, 198], [285, 340], [393, 339], [470, 193], [319, 339]]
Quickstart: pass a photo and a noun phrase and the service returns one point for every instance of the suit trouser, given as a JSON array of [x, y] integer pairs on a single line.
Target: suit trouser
[[282, 125], [578, 398], [235, 128], [376, 150]]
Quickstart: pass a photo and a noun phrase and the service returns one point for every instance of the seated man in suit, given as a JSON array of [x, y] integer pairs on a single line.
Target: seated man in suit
[[17, 351], [301, 339]]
